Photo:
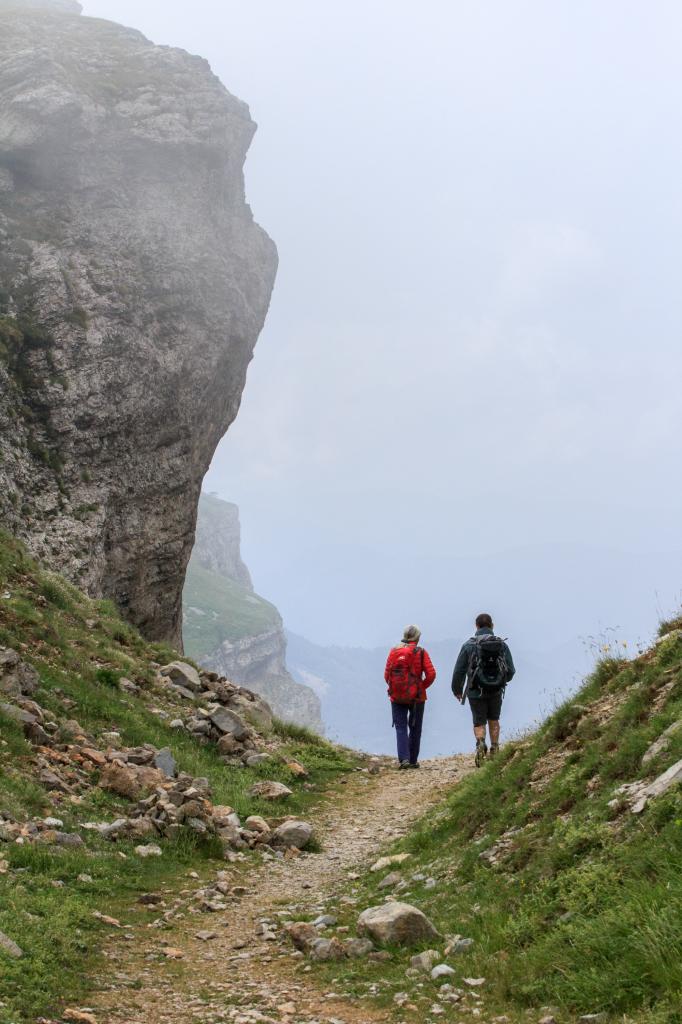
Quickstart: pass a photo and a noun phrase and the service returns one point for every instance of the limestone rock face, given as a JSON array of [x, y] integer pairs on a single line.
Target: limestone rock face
[[218, 540], [259, 663], [133, 286]]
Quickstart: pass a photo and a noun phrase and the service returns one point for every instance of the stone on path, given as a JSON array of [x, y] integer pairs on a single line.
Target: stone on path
[[293, 833], [396, 924]]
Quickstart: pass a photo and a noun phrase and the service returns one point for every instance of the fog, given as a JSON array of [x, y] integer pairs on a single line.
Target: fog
[[467, 393]]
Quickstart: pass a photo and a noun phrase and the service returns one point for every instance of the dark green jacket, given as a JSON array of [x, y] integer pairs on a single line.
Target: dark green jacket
[[462, 666]]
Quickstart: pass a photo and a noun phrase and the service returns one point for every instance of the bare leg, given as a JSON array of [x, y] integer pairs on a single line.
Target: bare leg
[[479, 732]]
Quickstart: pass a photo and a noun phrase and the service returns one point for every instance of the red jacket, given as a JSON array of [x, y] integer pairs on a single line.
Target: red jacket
[[428, 671]]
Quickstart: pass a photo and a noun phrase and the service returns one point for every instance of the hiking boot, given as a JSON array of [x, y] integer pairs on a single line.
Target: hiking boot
[[481, 751], [415, 765], [494, 749], [404, 765]]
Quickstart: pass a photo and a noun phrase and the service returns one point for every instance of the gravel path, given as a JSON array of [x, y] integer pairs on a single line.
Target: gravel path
[[238, 976]]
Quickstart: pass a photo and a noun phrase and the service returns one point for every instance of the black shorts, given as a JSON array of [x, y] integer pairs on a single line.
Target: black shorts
[[486, 709]]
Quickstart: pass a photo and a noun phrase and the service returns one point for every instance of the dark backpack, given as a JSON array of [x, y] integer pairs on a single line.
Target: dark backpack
[[488, 663], [405, 675]]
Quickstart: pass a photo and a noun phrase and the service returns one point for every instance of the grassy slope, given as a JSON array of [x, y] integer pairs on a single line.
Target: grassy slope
[[218, 609], [80, 649], [584, 914]]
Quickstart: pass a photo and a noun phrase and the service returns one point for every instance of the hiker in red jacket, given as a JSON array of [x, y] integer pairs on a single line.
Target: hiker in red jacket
[[409, 673]]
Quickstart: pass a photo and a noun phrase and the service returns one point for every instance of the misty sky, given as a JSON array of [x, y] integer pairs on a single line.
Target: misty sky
[[468, 388]]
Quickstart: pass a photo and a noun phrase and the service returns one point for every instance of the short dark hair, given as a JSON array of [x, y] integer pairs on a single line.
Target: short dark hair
[[484, 621]]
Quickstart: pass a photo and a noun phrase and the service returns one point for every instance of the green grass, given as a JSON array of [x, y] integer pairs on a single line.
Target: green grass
[[81, 649], [584, 912], [219, 609]]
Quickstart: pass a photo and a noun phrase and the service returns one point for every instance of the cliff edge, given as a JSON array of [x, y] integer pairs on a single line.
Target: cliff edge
[[133, 285]]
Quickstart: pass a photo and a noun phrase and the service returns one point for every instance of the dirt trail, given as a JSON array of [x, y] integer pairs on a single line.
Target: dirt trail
[[240, 977]]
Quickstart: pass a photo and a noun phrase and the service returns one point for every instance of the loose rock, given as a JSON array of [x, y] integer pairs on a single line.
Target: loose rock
[[293, 833], [269, 790], [396, 924], [10, 947], [387, 862]]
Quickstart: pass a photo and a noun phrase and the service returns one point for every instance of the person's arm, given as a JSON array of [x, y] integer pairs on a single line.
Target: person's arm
[[428, 671], [460, 672], [511, 668], [388, 666]]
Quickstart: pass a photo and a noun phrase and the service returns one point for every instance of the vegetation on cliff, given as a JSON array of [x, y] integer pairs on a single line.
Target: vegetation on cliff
[[217, 609]]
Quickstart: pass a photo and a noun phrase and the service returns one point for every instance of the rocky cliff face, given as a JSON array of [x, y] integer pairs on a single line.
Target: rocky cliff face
[[259, 664], [231, 629], [133, 286], [218, 540]]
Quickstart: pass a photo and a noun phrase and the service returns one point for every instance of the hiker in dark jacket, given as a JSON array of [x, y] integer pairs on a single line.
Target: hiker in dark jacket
[[485, 665], [409, 673]]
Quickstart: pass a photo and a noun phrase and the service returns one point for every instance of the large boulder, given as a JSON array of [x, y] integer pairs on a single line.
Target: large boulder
[[254, 709], [182, 674], [293, 833], [398, 924], [229, 723]]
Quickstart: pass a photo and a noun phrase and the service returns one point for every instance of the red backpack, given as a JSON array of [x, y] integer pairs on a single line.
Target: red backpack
[[405, 675]]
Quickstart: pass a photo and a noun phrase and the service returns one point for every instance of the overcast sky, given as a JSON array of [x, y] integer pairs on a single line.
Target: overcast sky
[[468, 388]]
